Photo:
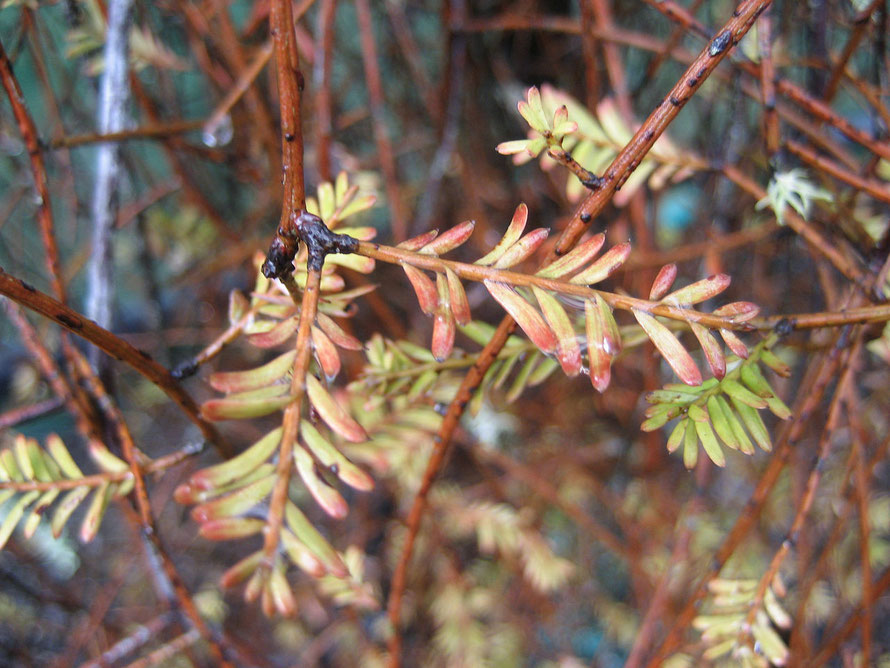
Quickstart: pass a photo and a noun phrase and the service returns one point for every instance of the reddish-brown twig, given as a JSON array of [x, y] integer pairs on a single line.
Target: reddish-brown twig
[[374, 81], [30, 297]]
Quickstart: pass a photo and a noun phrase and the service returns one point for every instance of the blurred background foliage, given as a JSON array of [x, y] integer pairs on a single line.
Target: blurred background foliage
[[512, 568]]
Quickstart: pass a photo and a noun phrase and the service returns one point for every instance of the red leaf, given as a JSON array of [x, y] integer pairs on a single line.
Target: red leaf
[[712, 349], [275, 336], [327, 497], [738, 311], [460, 307], [424, 288], [336, 334], [568, 352], [525, 315], [598, 354], [735, 344], [451, 239], [417, 243], [670, 348], [663, 281], [326, 353]]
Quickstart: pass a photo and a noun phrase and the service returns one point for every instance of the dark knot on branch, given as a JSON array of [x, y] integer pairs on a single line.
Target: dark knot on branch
[[311, 230]]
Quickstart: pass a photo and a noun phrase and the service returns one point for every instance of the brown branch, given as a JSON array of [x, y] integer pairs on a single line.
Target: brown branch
[[38, 172], [812, 484], [149, 131], [291, 423], [71, 320], [873, 187], [374, 82], [24, 413]]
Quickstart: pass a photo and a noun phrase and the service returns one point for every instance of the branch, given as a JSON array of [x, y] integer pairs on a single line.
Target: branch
[[41, 303]]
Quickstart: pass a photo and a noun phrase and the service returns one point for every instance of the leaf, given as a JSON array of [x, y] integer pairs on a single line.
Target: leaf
[[60, 453], [252, 379], [568, 351], [522, 249], [769, 358], [511, 236], [699, 291], [574, 259], [37, 512], [734, 343], [738, 311], [690, 446], [599, 353], [738, 430], [14, 514], [721, 424], [755, 381], [336, 334], [326, 496], [333, 459], [424, 288], [711, 348], [238, 306], [275, 336], [670, 348], [742, 394], [678, 435], [332, 413], [603, 267], [301, 556], [240, 407], [443, 324], [241, 570], [236, 503], [237, 467], [709, 443], [663, 281], [325, 353], [525, 315], [754, 424], [453, 238], [416, 243], [91, 521], [231, 528], [460, 307], [533, 111], [65, 507], [314, 541]]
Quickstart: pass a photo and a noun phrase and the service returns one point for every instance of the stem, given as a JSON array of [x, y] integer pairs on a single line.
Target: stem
[[291, 422], [479, 273]]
